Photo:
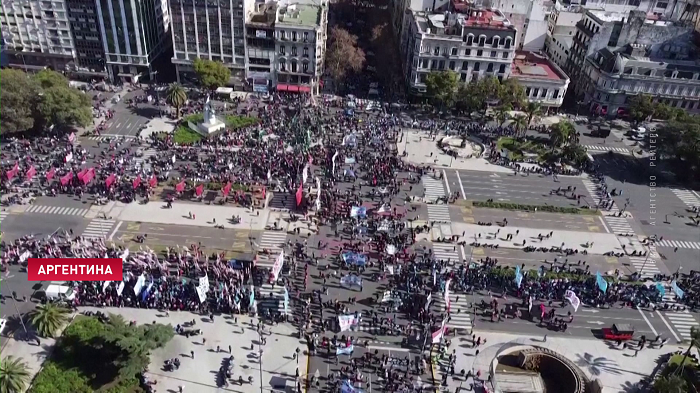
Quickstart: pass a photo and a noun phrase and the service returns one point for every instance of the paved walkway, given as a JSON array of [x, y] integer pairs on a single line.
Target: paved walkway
[[201, 373], [617, 369]]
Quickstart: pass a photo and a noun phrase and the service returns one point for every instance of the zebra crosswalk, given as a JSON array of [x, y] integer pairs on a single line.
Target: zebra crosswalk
[[446, 252], [621, 150], [271, 298], [272, 241], [434, 189], [65, 211], [282, 201], [98, 228], [682, 321], [3, 215], [618, 225], [460, 316], [104, 137], [439, 213], [678, 243], [646, 267], [147, 154], [690, 198]]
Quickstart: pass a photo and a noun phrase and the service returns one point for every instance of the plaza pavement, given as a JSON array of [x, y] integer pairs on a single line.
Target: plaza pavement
[[617, 369], [495, 235], [200, 374]]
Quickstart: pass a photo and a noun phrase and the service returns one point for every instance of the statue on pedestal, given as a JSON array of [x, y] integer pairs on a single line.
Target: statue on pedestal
[[209, 114]]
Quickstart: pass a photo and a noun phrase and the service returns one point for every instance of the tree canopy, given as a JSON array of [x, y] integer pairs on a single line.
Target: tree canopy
[[40, 101], [475, 96], [211, 74], [343, 54], [176, 96], [93, 356], [442, 87], [679, 141]]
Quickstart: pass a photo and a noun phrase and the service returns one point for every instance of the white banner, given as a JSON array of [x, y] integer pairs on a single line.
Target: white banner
[[25, 255], [447, 294], [391, 249], [573, 299], [139, 284], [277, 267], [204, 282], [333, 160], [120, 288], [427, 301], [305, 174], [351, 280], [125, 255], [318, 193], [202, 294], [437, 336], [389, 269], [69, 157], [347, 322]]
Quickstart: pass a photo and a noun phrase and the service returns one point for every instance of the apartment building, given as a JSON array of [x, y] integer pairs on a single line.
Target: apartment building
[[260, 46], [300, 45], [476, 44], [212, 30], [36, 34], [543, 81], [90, 49]]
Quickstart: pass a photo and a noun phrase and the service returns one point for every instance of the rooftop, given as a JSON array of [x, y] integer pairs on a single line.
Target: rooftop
[[451, 23], [605, 16], [533, 66], [302, 15]]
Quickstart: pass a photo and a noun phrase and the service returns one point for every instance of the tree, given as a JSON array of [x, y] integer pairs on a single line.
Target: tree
[[441, 87], [532, 109], [468, 99], [680, 141], [519, 123], [64, 106], [14, 375], [176, 97], [48, 318], [642, 107], [671, 384], [664, 112], [48, 79], [502, 113], [343, 54], [211, 74], [20, 95], [510, 92], [694, 342], [562, 134]]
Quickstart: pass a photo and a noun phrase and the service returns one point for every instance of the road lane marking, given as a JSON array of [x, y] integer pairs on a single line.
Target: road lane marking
[[461, 186], [604, 224], [389, 349], [649, 323], [447, 184], [593, 228], [678, 339], [111, 235]]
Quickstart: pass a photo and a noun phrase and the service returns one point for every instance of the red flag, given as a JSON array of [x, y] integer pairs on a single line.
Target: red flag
[[110, 180], [153, 182], [10, 174], [65, 179], [82, 173], [199, 190], [311, 159], [264, 192], [16, 168], [137, 181], [226, 189], [50, 174], [299, 195], [88, 176], [30, 172], [180, 187]]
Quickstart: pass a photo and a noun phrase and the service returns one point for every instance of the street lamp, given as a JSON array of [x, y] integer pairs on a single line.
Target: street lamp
[[260, 354]]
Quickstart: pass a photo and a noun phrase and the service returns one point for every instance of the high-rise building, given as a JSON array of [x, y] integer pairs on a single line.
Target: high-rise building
[[89, 48], [260, 46], [36, 34], [134, 33], [211, 30]]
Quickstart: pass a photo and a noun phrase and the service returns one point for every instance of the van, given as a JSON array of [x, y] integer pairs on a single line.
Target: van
[[56, 292]]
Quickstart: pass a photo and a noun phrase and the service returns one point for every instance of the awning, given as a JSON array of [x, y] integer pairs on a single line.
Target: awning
[[304, 89], [293, 88], [224, 90], [282, 87]]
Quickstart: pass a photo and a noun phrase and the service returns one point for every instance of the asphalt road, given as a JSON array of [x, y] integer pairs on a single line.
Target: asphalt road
[[539, 220]]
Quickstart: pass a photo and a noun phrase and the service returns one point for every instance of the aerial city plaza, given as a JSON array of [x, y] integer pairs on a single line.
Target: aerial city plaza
[[350, 196]]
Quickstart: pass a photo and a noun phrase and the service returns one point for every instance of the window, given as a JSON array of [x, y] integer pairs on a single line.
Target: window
[[424, 63], [306, 51], [507, 43], [452, 65], [495, 41], [661, 4], [527, 91], [544, 93], [482, 40], [305, 66], [283, 35], [306, 36], [294, 51], [555, 94], [502, 69], [294, 36], [283, 65], [453, 51], [479, 53], [493, 53], [477, 66], [467, 52], [535, 92], [470, 39], [489, 68], [436, 51], [282, 50], [463, 77], [465, 65]]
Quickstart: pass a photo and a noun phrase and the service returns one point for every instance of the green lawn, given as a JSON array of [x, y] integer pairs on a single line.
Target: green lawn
[[186, 136]]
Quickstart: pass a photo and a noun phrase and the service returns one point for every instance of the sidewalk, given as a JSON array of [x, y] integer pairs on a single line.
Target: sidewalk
[[156, 213], [29, 352], [602, 242], [617, 369]]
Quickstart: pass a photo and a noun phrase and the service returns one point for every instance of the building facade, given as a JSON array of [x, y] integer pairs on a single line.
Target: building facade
[[561, 27], [543, 81], [477, 44], [37, 34], [260, 47], [212, 30], [90, 50], [134, 33], [300, 46]]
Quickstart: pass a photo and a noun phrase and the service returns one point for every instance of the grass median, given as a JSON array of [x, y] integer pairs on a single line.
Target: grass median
[[535, 208]]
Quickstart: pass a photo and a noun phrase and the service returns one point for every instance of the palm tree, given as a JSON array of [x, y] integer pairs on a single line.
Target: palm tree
[[48, 318], [694, 342], [502, 113], [671, 384], [14, 375], [176, 96], [562, 133], [532, 109], [519, 123]]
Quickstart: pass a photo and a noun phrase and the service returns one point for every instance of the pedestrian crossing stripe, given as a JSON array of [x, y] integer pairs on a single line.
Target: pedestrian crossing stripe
[[3, 215], [62, 210], [98, 228], [682, 321], [439, 213], [272, 241], [460, 317], [444, 252], [686, 196], [646, 267], [618, 225], [608, 148], [434, 189], [148, 153], [271, 298], [678, 243], [108, 136]]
